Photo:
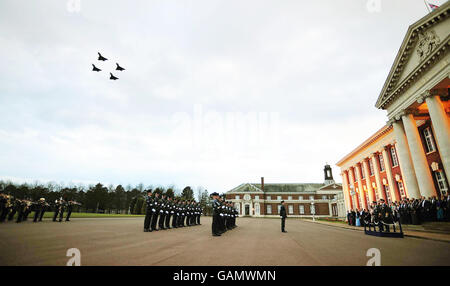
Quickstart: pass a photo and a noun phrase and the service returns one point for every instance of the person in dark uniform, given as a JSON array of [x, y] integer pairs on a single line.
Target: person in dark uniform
[[28, 208], [45, 207], [9, 203], [70, 205], [176, 209], [156, 213], [162, 212], [215, 220], [39, 208], [149, 211], [169, 212], [283, 216], [21, 208], [15, 207], [199, 213]]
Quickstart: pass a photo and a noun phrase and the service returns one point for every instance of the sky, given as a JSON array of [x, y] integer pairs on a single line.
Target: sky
[[215, 93]]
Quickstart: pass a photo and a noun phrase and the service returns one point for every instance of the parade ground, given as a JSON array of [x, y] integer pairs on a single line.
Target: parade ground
[[121, 241]]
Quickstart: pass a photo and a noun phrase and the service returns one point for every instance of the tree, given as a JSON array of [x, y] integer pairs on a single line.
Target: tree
[[187, 193]]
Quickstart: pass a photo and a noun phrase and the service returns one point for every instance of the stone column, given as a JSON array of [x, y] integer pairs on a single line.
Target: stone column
[[387, 166], [376, 166], [347, 197], [352, 183], [423, 174], [360, 187], [330, 212], [368, 183], [441, 127], [405, 161]]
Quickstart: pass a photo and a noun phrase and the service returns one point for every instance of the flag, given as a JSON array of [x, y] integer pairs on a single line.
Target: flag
[[432, 6]]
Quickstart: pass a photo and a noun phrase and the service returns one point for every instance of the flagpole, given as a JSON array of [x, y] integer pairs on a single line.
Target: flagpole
[[426, 4]]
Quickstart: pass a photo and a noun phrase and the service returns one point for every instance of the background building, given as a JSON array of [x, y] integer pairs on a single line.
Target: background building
[[410, 155], [302, 200]]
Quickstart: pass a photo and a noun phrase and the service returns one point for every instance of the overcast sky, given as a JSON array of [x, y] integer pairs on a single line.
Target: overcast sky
[[215, 93]]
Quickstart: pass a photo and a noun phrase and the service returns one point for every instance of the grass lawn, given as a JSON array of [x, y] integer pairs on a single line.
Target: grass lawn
[[83, 215]]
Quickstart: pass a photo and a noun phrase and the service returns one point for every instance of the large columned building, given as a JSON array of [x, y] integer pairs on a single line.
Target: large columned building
[[302, 199], [410, 155]]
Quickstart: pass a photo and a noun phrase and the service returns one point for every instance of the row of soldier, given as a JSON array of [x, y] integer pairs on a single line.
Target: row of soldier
[[10, 207], [163, 212], [224, 215]]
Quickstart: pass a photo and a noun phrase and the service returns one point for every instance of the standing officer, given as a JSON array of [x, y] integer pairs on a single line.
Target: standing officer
[[200, 211], [169, 212], [216, 215], [283, 216], [157, 206], [148, 211], [176, 209], [163, 212]]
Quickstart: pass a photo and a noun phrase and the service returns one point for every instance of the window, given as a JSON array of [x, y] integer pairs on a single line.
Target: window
[[279, 198], [256, 197], [268, 198], [440, 178], [291, 209], [301, 209], [269, 209], [324, 197], [313, 209], [238, 197], [388, 194], [394, 157], [354, 175], [363, 175], [279, 207], [429, 140], [289, 198], [311, 198], [300, 198], [380, 157], [401, 189], [371, 172]]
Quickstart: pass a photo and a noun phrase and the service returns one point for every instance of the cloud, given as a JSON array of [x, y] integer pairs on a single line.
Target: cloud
[[317, 68]]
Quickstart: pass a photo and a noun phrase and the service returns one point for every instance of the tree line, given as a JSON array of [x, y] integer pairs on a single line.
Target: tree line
[[99, 198]]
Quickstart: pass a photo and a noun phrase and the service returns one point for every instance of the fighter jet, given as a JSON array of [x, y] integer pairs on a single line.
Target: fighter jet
[[113, 77], [101, 58], [119, 68], [94, 68]]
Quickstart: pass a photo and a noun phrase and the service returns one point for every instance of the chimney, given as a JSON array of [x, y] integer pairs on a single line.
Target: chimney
[[262, 184]]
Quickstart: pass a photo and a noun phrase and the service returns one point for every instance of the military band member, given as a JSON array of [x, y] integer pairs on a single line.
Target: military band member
[[149, 211], [70, 205], [157, 206], [7, 208], [59, 209], [39, 208]]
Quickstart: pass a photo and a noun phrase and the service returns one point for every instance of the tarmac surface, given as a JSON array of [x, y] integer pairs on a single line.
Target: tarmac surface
[[121, 241]]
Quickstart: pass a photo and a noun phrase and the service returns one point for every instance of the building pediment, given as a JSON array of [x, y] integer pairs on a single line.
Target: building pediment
[[331, 187], [246, 188], [425, 42]]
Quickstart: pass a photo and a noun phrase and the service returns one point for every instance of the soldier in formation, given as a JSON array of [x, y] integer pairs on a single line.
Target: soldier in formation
[[166, 212], [224, 215]]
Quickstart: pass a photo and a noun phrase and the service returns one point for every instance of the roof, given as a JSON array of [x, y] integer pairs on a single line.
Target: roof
[[284, 187], [377, 135], [393, 86]]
